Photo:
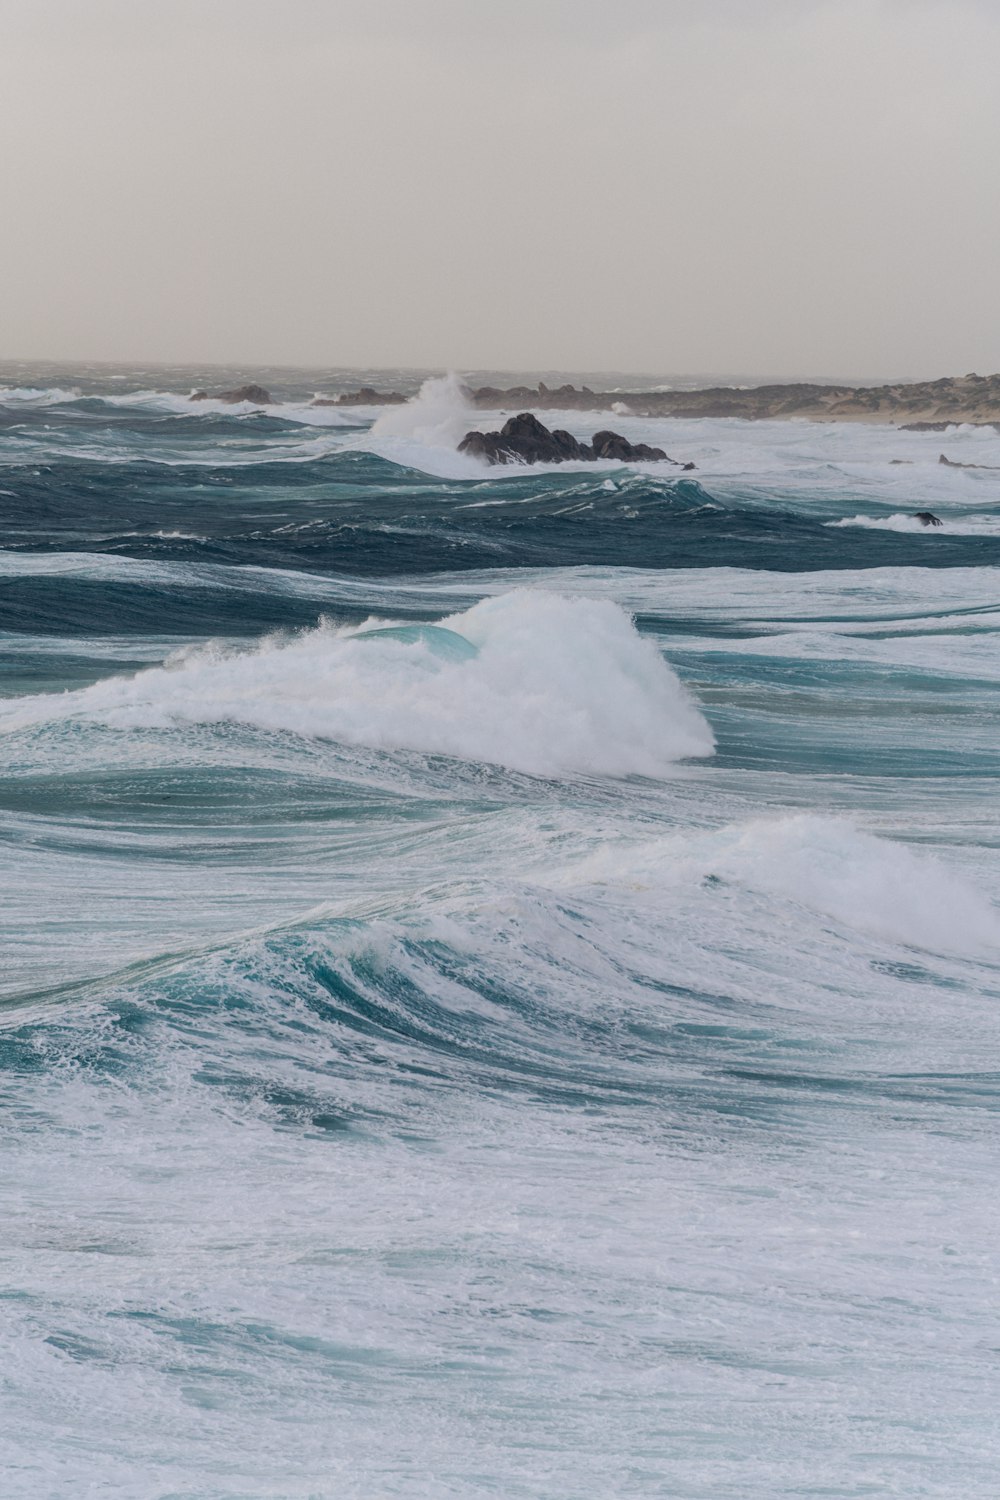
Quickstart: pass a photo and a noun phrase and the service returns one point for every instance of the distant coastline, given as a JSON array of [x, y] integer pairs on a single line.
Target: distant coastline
[[931, 405]]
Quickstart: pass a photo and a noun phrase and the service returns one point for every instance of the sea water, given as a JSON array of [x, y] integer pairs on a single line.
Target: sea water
[[500, 967]]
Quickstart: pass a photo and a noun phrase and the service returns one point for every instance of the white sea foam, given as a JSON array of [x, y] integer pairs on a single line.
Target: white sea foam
[[172, 403], [953, 526], [552, 685], [899, 522], [827, 864], [760, 462], [36, 396]]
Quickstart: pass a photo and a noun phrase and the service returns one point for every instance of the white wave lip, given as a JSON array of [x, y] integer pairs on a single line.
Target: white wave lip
[[538, 683], [830, 866], [865, 882], [37, 395], [897, 522], [964, 526], [172, 403]]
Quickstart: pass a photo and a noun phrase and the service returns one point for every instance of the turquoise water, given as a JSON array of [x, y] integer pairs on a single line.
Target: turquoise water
[[500, 969]]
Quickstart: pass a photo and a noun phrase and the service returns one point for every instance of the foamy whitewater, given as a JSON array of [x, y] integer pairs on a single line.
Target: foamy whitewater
[[501, 967]]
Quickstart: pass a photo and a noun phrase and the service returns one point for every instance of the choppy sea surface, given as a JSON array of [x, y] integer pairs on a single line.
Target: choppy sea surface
[[500, 968]]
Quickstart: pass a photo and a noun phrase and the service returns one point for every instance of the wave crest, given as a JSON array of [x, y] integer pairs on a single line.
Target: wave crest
[[828, 865], [548, 685]]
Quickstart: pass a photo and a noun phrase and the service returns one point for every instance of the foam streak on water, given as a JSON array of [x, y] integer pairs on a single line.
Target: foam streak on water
[[501, 970]]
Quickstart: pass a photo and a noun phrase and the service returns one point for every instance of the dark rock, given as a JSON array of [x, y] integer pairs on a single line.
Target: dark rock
[[611, 445], [484, 445], [567, 445], [952, 463], [563, 397], [366, 396], [523, 439], [926, 518], [254, 393]]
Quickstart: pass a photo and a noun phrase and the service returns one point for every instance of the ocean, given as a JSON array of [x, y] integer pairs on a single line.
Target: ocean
[[500, 967]]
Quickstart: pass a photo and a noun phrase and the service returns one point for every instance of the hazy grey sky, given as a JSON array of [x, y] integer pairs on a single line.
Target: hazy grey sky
[[768, 186]]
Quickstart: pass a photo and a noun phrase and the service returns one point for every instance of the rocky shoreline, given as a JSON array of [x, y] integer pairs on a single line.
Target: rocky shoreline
[[925, 405], [922, 406]]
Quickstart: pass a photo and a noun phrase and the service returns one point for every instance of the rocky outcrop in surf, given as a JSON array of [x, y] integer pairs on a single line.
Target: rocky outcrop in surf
[[366, 396], [253, 393], [525, 440], [927, 518]]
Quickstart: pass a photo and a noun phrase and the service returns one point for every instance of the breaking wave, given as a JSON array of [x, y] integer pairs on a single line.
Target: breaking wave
[[532, 681], [827, 864]]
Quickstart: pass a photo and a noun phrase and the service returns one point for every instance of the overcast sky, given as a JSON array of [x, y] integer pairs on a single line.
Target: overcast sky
[[762, 186]]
